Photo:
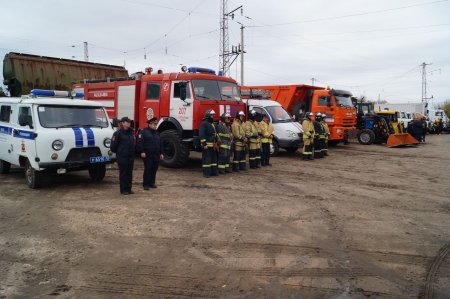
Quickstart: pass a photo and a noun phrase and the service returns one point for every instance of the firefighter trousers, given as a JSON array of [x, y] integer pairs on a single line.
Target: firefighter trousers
[[308, 148], [224, 160], [209, 162], [239, 158], [265, 154]]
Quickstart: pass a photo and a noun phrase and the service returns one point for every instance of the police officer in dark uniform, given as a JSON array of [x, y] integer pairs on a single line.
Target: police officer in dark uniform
[[207, 135], [122, 144], [149, 147]]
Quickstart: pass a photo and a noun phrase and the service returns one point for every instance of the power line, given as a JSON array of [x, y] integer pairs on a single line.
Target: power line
[[353, 15]]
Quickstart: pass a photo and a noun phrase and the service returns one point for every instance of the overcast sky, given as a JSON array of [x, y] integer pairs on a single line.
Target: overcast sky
[[372, 48]]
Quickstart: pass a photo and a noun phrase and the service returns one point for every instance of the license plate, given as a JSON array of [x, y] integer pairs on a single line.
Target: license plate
[[100, 159]]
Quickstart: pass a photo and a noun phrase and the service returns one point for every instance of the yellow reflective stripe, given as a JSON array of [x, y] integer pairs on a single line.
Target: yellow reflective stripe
[[222, 166], [224, 135], [224, 146], [210, 144], [307, 153], [202, 140]]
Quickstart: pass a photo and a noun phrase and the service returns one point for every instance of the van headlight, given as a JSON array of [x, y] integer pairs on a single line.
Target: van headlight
[[107, 142], [57, 145]]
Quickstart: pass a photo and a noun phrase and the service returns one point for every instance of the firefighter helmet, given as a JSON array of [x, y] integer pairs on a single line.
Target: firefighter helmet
[[224, 116], [309, 114], [209, 114], [239, 114]]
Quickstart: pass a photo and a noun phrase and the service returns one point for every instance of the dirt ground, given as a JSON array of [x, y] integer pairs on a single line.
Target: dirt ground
[[365, 222]]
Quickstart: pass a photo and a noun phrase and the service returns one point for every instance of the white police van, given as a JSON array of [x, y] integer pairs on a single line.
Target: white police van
[[44, 132]]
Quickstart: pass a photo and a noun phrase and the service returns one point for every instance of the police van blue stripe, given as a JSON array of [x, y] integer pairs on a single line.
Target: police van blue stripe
[[90, 136], [17, 133], [78, 137], [5, 130]]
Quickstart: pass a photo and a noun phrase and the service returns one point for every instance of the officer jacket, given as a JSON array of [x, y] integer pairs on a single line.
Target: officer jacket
[[224, 134], [238, 132], [207, 133], [149, 142], [308, 129], [122, 143], [267, 131]]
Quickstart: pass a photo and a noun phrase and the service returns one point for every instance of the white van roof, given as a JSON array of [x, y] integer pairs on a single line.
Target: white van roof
[[50, 101], [263, 103]]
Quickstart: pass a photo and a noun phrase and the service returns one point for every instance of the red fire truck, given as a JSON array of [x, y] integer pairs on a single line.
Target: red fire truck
[[178, 100]]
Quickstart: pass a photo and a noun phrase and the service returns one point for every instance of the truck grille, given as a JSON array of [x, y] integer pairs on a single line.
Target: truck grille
[[83, 154], [347, 122]]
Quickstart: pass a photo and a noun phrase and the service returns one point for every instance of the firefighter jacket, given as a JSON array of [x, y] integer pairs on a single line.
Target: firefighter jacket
[[238, 132], [252, 131], [207, 134], [224, 135], [267, 132], [318, 129], [326, 129], [308, 129]]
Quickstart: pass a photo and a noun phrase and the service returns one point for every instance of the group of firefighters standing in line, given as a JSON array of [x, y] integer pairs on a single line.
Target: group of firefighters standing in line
[[221, 141], [315, 136]]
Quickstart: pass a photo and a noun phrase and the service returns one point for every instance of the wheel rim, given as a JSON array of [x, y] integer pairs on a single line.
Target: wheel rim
[[272, 149], [364, 137], [29, 174]]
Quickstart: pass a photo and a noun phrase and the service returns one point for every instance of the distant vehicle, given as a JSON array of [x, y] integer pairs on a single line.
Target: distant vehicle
[[45, 133], [288, 132], [24, 72], [178, 100], [299, 99]]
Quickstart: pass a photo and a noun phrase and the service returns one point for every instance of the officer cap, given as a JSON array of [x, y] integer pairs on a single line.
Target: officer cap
[[125, 119]]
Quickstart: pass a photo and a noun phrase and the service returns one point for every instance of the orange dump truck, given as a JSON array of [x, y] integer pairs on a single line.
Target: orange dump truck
[[300, 98]]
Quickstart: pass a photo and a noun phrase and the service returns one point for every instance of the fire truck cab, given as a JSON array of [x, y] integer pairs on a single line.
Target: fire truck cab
[[178, 100]]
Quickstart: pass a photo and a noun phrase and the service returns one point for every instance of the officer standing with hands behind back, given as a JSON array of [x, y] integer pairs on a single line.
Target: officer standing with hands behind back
[[122, 144], [149, 148]]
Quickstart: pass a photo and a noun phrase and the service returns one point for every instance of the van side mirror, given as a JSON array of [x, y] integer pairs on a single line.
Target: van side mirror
[[183, 90]]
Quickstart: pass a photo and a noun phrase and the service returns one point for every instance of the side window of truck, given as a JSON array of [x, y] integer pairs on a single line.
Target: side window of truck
[[5, 113], [176, 91], [322, 101], [153, 90]]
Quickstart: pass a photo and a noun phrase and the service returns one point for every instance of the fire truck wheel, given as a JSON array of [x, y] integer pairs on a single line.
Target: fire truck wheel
[[274, 148], [4, 167], [32, 176], [366, 136], [175, 153], [97, 172]]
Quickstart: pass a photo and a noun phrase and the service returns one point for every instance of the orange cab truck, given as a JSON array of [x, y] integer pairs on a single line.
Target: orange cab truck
[[178, 100], [298, 99]]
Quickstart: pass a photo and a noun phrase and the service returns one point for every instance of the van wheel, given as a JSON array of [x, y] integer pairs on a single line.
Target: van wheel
[[274, 148], [33, 177], [175, 153], [4, 167], [97, 172], [366, 136]]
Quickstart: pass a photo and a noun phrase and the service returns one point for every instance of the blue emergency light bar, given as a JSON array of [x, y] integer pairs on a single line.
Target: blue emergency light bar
[[56, 93], [194, 69]]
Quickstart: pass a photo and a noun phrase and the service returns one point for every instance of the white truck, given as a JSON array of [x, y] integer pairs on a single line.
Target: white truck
[[288, 132], [44, 132], [407, 111]]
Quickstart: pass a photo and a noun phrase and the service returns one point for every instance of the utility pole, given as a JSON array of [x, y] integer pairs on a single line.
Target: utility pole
[[225, 54], [313, 80], [424, 82], [242, 54], [86, 52]]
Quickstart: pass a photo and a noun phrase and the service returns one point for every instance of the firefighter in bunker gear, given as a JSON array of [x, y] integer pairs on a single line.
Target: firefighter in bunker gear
[[267, 134], [308, 137], [207, 135], [326, 130], [252, 131], [318, 136], [224, 136], [239, 141], [122, 144]]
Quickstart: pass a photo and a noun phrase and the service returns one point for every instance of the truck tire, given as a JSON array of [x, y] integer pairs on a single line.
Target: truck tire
[[175, 153], [366, 137], [33, 178], [4, 167], [97, 172], [274, 148]]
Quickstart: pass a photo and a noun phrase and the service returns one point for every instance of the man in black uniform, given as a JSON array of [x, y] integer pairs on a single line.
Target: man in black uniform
[[149, 147], [123, 145], [207, 135]]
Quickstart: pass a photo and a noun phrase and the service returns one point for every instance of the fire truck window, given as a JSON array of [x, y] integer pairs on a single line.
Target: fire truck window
[[153, 90], [176, 91], [322, 101], [5, 113]]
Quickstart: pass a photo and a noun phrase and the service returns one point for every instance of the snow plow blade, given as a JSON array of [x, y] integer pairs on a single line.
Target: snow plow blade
[[403, 139]]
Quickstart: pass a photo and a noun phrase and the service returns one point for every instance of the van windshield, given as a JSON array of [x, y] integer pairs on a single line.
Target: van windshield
[[52, 116], [279, 115], [216, 90], [342, 101]]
